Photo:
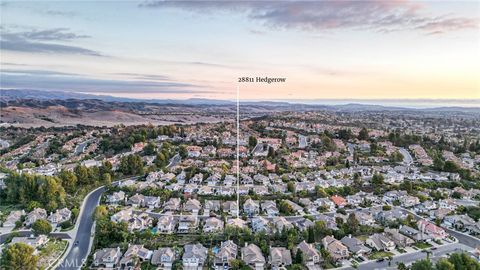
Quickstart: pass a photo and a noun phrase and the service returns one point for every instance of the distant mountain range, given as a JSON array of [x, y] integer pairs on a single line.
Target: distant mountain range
[[27, 97]]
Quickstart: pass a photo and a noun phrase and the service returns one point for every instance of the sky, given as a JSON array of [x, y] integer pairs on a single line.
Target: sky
[[198, 49]]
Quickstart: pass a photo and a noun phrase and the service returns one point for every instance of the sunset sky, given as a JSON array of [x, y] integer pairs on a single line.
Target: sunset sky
[[197, 49]]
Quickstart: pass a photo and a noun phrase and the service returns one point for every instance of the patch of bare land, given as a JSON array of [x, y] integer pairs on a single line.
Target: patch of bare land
[[55, 116]]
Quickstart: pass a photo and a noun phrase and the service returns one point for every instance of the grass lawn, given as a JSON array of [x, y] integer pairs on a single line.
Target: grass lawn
[[363, 237], [379, 254], [422, 245]]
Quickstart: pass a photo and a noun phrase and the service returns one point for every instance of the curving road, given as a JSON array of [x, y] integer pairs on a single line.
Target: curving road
[[83, 232], [77, 254]]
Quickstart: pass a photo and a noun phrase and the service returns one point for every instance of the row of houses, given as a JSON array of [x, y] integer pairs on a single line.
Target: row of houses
[[195, 256], [55, 218]]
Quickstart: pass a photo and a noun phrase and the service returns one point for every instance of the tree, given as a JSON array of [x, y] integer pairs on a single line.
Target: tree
[[271, 152], [310, 234], [252, 141], [19, 256], [377, 179], [463, 261], [363, 134], [401, 266], [109, 232], [444, 264], [41, 226], [291, 186], [149, 149], [106, 179], [396, 157], [298, 257], [69, 180], [82, 175], [352, 223], [451, 166], [285, 208], [132, 165], [183, 151], [422, 265], [236, 264], [100, 212]]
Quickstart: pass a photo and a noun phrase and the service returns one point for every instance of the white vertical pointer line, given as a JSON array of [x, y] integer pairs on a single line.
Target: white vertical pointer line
[[238, 151]]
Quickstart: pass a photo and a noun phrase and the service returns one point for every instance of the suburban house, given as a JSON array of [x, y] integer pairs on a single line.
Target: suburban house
[[213, 224], [61, 215], [311, 256], [380, 242], [279, 258], [36, 214], [399, 239], [431, 229], [187, 224], [270, 208], [194, 257], [251, 207], [227, 252], [12, 218], [172, 205], [116, 198], [459, 222], [107, 258], [193, 206], [340, 202], [337, 250], [253, 257], [163, 258], [414, 233], [260, 224], [166, 224], [33, 241], [133, 255], [355, 245]]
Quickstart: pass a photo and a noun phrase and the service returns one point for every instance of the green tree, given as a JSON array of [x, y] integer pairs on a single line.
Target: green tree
[[131, 165], [462, 261], [422, 265], [82, 175], [352, 223], [377, 179], [291, 186], [444, 264], [396, 156], [183, 151], [252, 141], [363, 134], [69, 180], [19, 256], [298, 257], [149, 149], [451, 166], [41, 226], [106, 179], [236, 264], [100, 212], [401, 266]]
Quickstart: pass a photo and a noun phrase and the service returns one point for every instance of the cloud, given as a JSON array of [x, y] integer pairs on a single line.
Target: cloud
[[57, 34], [139, 76], [44, 41], [35, 72], [53, 80], [379, 16], [67, 14]]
